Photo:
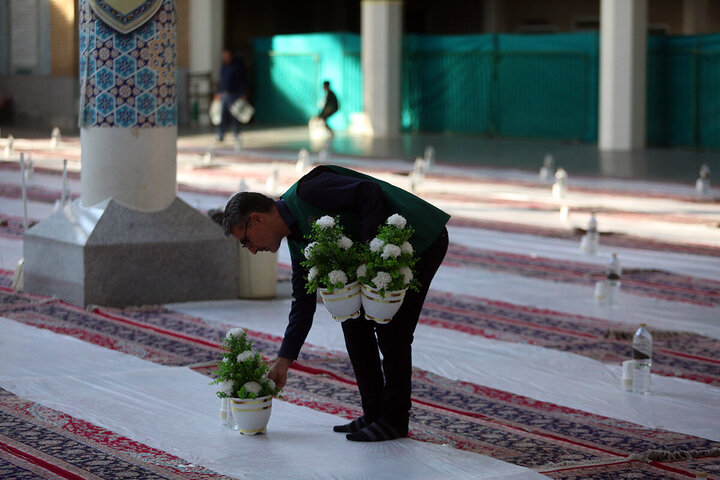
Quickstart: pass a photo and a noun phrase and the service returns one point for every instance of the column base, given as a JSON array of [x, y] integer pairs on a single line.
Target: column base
[[115, 256]]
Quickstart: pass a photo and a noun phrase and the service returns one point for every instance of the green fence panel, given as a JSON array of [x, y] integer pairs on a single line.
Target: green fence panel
[[708, 98], [547, 86], [683, 108], [543, 95], [529, 86], [671, 93], [444, 91], [352, 90], [290, 70], [446, 83], [287, 102]]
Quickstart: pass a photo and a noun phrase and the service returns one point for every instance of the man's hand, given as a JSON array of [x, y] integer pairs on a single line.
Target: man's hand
[[278, 371]]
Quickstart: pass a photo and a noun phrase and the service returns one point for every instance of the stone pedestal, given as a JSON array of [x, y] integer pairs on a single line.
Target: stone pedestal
[[116, 256]]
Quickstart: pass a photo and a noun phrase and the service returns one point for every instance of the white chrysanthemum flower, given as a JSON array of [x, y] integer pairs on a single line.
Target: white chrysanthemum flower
[[234, 332], [253, 387], [245, 355], [406, 248], [361, 270], [326, 222], [344, 242], [390, 250], [271, 383], [308, 250], [376, 244], [397, 221], [407, 274], [337, 276], [313, 273], [381, 280], [227, 388]]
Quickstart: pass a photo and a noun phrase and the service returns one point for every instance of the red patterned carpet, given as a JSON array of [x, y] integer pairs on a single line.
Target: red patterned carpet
[[560, 442]]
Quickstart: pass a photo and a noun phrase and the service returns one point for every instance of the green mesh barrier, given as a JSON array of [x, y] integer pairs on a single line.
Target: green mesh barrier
[[683, 108], [351, 100], [544, 95], [290, 70], [285, 102], [529, 86], [709, 100], [506, 85], [433, 103]]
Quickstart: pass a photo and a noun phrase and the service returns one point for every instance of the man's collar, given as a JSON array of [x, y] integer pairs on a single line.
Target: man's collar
[[288, 218]]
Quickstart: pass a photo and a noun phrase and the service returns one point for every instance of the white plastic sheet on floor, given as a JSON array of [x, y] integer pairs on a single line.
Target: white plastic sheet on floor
[[569, 250], [569, 298], [175, 410], [544, 374]]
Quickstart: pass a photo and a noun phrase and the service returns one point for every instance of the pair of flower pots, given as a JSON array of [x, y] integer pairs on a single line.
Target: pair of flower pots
[[249, 416], [344, 303]]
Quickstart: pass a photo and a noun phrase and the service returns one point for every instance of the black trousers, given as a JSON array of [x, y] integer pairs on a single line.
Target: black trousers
[[385, 387]]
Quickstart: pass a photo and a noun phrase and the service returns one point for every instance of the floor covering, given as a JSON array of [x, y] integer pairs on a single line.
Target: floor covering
[[517, 368]]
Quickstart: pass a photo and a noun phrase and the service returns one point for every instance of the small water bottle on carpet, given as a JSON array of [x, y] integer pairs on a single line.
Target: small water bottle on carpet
[[590, 241], [642, 355], [612, 278]]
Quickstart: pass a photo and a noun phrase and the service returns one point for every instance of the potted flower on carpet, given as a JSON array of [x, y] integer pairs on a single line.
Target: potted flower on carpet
[[388, 270], [332, 259], [245, 389]]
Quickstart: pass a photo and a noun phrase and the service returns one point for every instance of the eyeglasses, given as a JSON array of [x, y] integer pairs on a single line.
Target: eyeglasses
[[243, 240]]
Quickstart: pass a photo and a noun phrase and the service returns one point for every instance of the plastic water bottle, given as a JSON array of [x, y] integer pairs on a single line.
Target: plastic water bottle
[[613, 271], [589, 242], [642, 355]]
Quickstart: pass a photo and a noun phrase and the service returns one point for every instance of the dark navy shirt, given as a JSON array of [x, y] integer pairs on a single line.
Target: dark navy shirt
[[232, 79], [333, 193]]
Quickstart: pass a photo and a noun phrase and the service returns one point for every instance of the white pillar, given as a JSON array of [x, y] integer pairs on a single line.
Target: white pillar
[[623, 66], [382, 64], [135, 166], [206, 36]]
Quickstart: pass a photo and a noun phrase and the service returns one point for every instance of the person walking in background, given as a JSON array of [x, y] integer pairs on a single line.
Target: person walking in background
[[232, 87], [331, 106], [260, 223]]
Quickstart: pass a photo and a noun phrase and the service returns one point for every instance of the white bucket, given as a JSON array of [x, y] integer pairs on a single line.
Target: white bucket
[[379, 309], [257, 277], [342, 303], [250, 416]]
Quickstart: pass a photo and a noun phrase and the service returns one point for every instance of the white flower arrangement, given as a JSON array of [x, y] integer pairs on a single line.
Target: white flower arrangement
[[376, 245], [344, 242], [242, 373], [390, 251], [330, 256], [397, 220], [338, 276], [390, 258], [325, 222]]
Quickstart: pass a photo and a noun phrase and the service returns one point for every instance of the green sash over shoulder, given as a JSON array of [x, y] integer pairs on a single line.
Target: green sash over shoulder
[[427, 220]]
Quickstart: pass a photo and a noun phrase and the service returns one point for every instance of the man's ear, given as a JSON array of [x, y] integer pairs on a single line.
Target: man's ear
[[257, 217]]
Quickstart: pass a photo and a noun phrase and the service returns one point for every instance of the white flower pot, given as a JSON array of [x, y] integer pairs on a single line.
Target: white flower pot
[[342, 303], [250, 416], [379, 309]]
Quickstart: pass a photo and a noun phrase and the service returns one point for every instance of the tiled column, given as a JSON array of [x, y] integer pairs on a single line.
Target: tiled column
[[128, 117], [129, 240]]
